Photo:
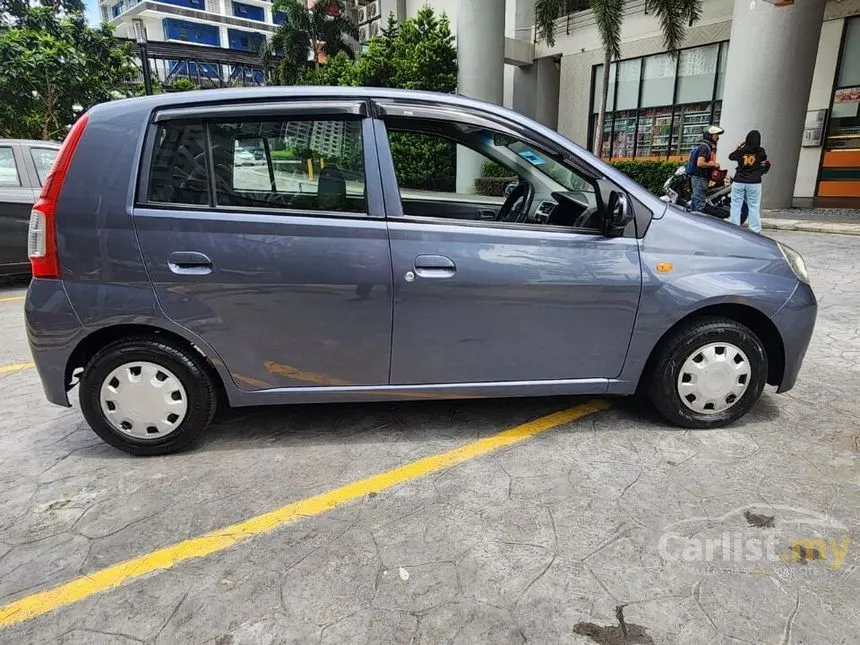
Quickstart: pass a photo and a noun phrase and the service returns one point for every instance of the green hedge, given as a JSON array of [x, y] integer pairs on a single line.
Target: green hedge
[[492, 186], [651, 174]]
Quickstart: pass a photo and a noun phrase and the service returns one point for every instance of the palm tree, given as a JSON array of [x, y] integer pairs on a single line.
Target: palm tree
[[674, 16], [321, 29]]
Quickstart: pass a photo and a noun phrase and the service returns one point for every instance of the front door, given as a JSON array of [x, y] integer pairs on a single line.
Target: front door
[[265, 237], [481, 302]]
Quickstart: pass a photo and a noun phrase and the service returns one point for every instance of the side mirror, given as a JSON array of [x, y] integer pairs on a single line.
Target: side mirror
[[614, 208]]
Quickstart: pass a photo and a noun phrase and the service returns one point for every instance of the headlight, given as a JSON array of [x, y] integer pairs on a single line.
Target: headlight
[[795, 261]]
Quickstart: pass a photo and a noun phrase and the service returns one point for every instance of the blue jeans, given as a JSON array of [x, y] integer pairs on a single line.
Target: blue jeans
[[700, 191], [751, 193]]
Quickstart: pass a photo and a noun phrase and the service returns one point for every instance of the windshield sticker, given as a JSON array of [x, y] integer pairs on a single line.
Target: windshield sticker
[[531, 157]]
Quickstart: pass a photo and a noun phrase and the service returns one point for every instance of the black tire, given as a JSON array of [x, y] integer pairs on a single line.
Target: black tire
[[188, 366], [674, 351]]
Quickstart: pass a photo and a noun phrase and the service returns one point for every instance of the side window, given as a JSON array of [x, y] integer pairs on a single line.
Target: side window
[[315, 165], [8, 169], [43, 159], [178, 172], [465, 172]]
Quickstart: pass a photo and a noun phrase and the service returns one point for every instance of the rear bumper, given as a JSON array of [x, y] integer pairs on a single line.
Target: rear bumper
[[795, 321], [53, 331]]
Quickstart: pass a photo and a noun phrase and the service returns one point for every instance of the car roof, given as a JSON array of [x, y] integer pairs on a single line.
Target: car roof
[[30, 142], [220, 95]]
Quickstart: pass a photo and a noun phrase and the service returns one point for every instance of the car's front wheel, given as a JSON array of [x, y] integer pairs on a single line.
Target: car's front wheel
[[147, 396], [708, 373]]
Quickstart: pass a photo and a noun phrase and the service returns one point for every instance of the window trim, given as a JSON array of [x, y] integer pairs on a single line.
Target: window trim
[[373, 198], [5, 184]]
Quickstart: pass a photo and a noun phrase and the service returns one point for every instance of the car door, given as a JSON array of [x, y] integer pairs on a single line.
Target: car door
[[278, 260], [487, 302], [16, 200]]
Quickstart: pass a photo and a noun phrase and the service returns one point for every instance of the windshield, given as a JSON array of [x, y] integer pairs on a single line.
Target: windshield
[[544, 164]]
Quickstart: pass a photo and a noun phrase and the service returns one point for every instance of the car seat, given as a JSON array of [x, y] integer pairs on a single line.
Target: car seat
[[331, 189]]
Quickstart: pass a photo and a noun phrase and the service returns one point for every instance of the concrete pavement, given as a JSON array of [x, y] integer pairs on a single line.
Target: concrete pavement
[[610, 524]]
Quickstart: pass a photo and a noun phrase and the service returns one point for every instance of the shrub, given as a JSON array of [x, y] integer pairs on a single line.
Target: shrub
[[492, 186], [651, 174]]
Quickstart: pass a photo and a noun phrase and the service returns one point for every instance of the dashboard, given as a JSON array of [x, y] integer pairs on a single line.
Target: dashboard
[[573, 208]]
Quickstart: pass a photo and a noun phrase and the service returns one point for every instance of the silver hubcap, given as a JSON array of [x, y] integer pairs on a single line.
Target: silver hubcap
[[714, 378], [143, 400]]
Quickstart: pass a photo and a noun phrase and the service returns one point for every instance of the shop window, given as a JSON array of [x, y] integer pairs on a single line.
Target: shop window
[[624, 134], [655, 128], [697, 72], [598, 88], [658, 80], [690, 123], [627, 94], [721, 70], [849, 69]]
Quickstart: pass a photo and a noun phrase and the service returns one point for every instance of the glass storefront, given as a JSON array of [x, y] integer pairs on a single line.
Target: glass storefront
[[658, 105], [840, 166]]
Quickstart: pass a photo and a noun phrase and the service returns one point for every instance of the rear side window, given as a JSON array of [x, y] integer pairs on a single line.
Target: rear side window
[[43, 159], [8, 169], [178, 172], [315, 165]]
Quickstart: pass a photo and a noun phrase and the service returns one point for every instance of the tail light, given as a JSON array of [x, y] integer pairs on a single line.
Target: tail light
[[42, 235]]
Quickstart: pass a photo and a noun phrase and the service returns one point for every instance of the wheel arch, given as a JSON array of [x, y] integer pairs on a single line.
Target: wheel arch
[[759, 323], [92, 343]]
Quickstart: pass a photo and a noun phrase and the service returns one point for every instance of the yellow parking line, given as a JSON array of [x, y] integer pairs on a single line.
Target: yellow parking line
[[105, 579], [15, 367], [12, 299]]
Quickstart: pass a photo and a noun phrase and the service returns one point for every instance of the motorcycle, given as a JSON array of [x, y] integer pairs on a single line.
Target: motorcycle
[[678, 190]]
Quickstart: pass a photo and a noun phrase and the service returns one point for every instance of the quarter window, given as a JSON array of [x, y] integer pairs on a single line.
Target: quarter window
[[8, 169]]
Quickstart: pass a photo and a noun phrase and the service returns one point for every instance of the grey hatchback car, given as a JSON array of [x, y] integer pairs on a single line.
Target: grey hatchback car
[[291, 245]]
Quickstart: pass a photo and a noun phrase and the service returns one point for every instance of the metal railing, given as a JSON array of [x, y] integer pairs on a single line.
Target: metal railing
[[580, 16]]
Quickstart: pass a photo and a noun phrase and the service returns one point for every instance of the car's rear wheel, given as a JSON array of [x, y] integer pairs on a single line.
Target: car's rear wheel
[[708, 373], [147, 396]]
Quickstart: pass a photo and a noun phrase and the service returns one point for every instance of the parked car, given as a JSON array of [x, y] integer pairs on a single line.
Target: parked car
[[24, 164], [165, 282]]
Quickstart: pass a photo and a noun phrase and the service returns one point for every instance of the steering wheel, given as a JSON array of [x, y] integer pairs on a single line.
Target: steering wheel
[[518, 203]]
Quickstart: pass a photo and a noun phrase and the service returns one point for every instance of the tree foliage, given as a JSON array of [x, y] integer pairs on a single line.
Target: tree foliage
[[418, 54], [674, 16], [53, 66], [306, 34]]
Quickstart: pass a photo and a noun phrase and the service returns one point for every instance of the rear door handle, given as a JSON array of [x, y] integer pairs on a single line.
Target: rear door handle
[[434, 266], [189, 263]]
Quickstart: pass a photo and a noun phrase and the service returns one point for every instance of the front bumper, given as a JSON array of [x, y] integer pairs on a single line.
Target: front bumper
[[53, 331], [795, 321]]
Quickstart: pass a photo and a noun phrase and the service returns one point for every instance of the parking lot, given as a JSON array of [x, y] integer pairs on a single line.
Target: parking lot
[[590, 526]]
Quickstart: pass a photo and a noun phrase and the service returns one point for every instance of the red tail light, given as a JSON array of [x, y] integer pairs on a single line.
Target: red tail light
[[42, 237]]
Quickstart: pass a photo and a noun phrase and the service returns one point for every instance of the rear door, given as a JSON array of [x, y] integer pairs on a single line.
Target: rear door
[[16, 199], [263, 231]]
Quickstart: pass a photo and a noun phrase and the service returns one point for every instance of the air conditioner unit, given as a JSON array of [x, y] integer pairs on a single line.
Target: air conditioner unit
[[375, 28], [373, 10], [363, 33], [362, 15]]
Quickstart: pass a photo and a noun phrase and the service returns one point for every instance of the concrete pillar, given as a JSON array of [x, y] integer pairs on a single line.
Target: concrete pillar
[[768, 78], [481, 59]]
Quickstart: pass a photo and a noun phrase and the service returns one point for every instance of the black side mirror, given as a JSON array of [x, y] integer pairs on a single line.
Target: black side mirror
[[614, 208]]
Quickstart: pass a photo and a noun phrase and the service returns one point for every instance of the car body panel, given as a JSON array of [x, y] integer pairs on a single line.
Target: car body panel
[[565, 301], [109, 280]]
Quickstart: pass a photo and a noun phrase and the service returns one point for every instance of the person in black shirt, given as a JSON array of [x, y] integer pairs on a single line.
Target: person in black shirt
[[746, 186]]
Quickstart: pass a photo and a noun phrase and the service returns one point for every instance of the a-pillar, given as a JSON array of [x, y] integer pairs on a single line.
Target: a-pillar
[[769, 72], [481, 60]]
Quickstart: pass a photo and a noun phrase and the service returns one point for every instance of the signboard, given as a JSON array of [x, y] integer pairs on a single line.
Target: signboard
[[813, 130]]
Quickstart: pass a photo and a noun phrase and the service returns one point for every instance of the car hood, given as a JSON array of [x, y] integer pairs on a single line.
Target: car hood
[[682, 231]]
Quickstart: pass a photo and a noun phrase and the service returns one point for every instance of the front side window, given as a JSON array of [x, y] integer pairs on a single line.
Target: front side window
[[315, 165], [43, 159], [8, 169], [463, 172]]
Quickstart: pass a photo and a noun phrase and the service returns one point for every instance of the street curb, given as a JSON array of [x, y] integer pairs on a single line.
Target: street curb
[[808, 226]]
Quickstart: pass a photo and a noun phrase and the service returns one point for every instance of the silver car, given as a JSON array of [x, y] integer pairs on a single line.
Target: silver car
[[24, 165], [356, 262]]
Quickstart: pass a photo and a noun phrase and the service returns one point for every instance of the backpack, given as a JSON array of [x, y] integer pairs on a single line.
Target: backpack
[[691, 166]]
